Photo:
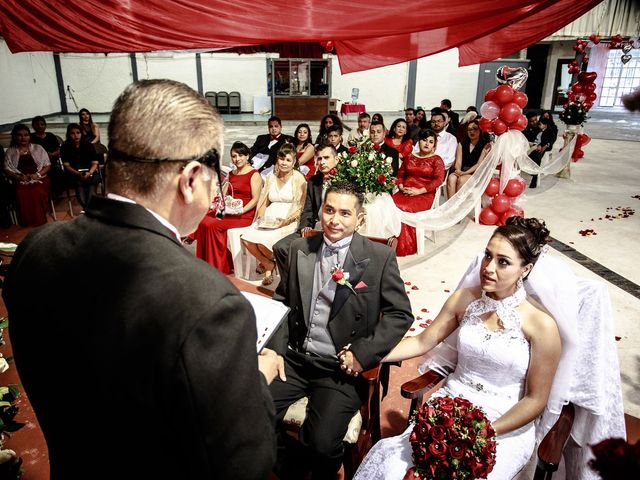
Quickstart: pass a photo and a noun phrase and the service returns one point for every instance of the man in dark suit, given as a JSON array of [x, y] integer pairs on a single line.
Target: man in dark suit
[[334, 138], [160, 347], [544, 143], [264, 150], [454, 118], [377, 133], [336, 329], [327, 160]]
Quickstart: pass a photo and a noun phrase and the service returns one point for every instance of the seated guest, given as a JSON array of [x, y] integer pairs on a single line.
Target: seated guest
[[364, 121], [447, 120], [27, 164], [6, 196], [49, 142], [377, 134], [399, 139], [334, 333], [92, 132], [81, 163], [327, 122], [454, 118], [305, 150], [243, 183], [544, 143], [461, 133], [377, 117], [327, 159], [532, 129], [278, 210], [469, 155], [548, 114], [265, 148], [334, 138], [447, 143], [412, 126], [421, 119], [418, 179]]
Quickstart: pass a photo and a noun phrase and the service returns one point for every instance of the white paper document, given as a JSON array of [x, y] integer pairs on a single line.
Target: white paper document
[[269, 315]]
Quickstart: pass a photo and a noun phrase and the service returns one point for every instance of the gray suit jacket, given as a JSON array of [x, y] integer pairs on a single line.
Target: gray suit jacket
[[373, 319]]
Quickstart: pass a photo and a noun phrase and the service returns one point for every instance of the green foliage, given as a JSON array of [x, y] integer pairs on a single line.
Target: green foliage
[[366, 167], [574, 114]]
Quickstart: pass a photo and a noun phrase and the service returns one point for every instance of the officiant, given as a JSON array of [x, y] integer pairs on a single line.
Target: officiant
[[349, 308]]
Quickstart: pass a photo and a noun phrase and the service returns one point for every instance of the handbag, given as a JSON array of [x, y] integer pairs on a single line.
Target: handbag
[[233, 206]]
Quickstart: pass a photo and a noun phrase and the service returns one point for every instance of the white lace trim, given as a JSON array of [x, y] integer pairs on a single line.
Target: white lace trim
[[505, 309]]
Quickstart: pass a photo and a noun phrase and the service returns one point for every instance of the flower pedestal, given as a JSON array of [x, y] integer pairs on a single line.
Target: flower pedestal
[[570, 132], [382, 218]]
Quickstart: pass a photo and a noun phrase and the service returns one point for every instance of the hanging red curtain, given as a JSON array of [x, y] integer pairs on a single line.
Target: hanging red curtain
[[366, 34]]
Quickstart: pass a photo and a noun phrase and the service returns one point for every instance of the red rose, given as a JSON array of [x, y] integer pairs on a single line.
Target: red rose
[[446, 420], [376, 146], [446, 404], [337, 275], [382, 179], [457, 450], [437, 433], [353, 149], [438, 450]]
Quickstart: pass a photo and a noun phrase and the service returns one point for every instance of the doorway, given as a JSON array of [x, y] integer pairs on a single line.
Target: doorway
[[537, 55], [561, 84]]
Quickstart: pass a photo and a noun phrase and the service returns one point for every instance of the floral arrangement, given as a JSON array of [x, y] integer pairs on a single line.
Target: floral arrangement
[[365, 166], [615, 458], [574, 113], [451, 438], [341, 277]]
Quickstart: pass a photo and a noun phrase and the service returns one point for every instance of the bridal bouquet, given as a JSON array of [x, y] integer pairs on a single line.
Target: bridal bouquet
[[451, 438], [364, 165]]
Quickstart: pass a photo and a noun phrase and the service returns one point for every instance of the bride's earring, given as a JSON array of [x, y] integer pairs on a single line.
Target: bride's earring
[[519, 283]]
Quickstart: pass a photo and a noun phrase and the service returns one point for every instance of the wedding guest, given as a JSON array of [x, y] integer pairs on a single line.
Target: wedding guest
[[6, 196], [51, 145], [377, 132], [377, 117], [305, 150], [412, 127], [532, 129], [421, 119], [264, 150], [89, 127], [543, 143], [278, 210], [398, 138], [334, 138], [364, 122], [327, 122], [418, 180], [243, 183], [447, 143], [454, 118], [163, 343], [27, 164], [508, 345], [81, 163], [469, 155], [334, 331], [470, 116]]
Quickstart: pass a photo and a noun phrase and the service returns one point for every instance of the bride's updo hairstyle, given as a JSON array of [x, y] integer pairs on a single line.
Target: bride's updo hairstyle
[[526, 235]]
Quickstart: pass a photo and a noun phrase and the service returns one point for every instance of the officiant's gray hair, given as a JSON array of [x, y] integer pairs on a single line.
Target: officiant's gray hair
[[347, 188]]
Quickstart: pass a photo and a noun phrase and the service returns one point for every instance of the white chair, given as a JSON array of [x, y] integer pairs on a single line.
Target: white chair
[[421, 233]]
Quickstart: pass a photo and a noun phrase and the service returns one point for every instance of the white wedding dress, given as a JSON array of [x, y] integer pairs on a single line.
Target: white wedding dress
[[491, 373]]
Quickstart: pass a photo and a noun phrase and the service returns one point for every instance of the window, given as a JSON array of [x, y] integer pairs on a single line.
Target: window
[[619, 79], [301, 77]]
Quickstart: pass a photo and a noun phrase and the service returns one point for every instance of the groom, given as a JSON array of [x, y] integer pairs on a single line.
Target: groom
[[335, 329]]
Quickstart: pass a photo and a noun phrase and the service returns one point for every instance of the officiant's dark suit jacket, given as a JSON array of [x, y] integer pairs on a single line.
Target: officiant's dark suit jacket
[[141, 361], [261, 145], [373, 319]]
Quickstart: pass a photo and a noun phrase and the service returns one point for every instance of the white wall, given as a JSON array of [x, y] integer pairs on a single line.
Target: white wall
[[381, 89], [28, 85], [558, 50], [438, 77], [95, 80], [177, 66], [227, 72]]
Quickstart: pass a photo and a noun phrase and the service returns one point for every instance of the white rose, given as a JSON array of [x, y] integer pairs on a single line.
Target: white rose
[[354, 163], [4, 366], [372, 155], [388, 160], [373, 170]]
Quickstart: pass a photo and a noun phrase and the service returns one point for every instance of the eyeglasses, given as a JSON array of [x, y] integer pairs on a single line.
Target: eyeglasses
[[211, 159]]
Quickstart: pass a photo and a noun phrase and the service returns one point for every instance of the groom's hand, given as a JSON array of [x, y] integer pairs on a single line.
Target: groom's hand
[[349, 363]]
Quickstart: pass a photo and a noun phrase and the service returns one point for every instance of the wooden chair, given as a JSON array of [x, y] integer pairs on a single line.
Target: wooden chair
[[235, 105]]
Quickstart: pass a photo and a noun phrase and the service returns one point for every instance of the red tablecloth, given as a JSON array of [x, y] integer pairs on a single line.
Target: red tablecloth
[[347, 108]]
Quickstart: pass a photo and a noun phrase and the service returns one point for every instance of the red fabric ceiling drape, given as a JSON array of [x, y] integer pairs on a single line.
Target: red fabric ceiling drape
[[367, 34]]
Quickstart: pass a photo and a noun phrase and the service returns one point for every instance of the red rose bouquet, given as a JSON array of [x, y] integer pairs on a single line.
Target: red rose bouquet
[[615, 458], [451, 439]]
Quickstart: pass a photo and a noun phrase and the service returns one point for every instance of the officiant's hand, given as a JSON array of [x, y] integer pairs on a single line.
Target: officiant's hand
[[271, 364], [349, 363]]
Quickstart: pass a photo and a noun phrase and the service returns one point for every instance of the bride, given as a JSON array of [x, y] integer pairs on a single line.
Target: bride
[[508, 352]]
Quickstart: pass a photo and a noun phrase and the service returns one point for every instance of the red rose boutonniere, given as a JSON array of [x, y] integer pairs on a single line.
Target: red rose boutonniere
[[341, 277]]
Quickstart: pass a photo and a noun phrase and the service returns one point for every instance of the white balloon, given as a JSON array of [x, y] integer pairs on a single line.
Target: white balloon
[[490, 110]]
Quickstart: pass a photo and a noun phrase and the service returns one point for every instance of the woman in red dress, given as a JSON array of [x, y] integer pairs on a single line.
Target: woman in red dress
[[27, 164], [305, 151], [244, 183], [399, 139], [418, 179]]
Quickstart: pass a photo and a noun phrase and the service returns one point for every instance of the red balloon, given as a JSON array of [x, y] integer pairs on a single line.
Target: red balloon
[[571, 96], [585, 139], [498, 126], [591, 97], [576, 88], [587, 77], [510, 112], [520, 124], [590, 87], [488, 216], [329, 47], [500, 203], [588, 105], [577, 154], [485, 125], [520, 98], [515, 187], [493, 187], [489, 95], [503, 95], [514, 211]]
